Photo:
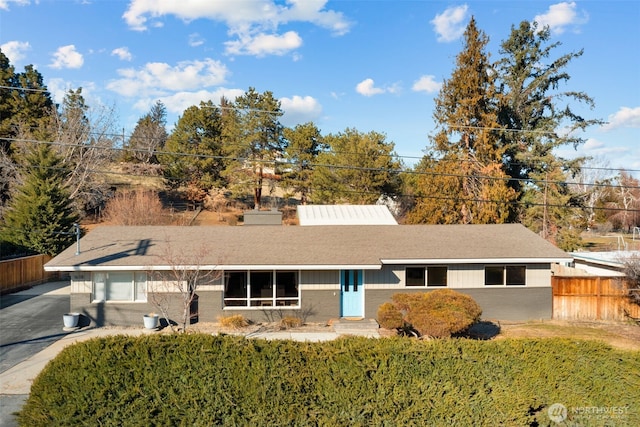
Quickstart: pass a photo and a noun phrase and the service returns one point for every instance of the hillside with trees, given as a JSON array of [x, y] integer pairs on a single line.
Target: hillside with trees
[[492, 157]]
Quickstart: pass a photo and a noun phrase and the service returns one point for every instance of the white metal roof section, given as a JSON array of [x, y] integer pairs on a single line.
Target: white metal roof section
[[345, 215]]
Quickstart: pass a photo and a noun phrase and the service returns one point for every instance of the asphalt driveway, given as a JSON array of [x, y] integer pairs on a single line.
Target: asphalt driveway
[[30, 321]]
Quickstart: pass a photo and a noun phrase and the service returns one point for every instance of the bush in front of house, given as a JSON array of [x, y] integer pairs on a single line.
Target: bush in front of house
[[234, 321], [204, 380], [437, 314]]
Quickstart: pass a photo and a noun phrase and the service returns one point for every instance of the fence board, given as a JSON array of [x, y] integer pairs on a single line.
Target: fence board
[[24, 272], [591, 298]]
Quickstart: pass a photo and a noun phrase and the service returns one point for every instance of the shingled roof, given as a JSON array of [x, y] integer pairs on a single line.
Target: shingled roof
[[320, 247]]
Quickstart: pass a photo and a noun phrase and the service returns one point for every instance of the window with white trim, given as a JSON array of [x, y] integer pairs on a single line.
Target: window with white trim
[[261, 289], [120, 286], [509, 275]]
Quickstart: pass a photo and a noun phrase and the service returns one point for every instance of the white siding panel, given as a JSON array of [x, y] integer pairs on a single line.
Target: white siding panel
[[466, 276], [538, 276]]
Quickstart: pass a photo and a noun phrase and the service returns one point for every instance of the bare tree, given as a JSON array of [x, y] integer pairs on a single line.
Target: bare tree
[[632, 271], [85, 139], [626, 201], [216, 201], [184, 275], [591, 185], [140, 207]]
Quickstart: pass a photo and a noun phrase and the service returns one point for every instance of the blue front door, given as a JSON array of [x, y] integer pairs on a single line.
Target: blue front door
[[351, 293]]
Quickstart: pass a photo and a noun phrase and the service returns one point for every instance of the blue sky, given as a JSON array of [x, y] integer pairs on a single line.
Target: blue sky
[[371, 65]]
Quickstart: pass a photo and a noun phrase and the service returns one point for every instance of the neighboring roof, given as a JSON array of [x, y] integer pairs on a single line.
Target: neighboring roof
[[610, 258], [597, 262], [345, 215], [307, 248]]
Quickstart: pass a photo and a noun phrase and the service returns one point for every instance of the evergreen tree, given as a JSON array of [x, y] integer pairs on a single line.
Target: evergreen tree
[[193, 152], [304, 144], [149, 135], [463, 181], [23, 114], [358, 168], [532, 116], [530, 99], [255, 142], [40, 213]]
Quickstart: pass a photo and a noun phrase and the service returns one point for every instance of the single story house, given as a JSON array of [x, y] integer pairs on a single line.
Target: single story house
[[318, 273]]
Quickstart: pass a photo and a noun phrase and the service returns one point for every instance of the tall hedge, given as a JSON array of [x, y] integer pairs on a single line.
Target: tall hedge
[[202, 380]]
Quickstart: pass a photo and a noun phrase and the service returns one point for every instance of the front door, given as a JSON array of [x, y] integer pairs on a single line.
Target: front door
[[351, 293]]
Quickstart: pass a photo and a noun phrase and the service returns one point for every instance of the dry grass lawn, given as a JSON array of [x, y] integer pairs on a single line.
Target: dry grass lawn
[[618, 335]]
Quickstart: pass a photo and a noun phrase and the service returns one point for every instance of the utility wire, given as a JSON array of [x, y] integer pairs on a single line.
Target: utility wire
[[330, 166]]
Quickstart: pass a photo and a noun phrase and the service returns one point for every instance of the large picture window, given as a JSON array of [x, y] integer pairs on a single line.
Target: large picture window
[[261, 289], [510, 275], [120, 286]]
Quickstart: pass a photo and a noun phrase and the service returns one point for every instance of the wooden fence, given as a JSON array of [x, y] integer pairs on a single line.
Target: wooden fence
[[21, 273], [591, 298]]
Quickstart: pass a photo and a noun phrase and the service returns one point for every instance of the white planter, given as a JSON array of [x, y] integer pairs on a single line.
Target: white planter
[[151, 321], [71, 320]]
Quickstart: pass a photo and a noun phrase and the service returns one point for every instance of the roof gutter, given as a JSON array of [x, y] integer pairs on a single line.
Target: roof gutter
[[475, 260]]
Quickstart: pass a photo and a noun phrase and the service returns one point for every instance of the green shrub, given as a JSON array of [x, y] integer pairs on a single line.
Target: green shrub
[[437, 314], [204, 380]]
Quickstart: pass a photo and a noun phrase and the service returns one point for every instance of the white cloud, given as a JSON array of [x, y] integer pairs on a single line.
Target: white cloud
[[367, 87], [559, 16], [450, 24], [180, 101], [4, 4], [195, 40], [300, 109], [249, 21], [159, 78], [625, 117], [122, 53], [60, 87], [265, 44], [67, 57], [15, 50], [426, 84]]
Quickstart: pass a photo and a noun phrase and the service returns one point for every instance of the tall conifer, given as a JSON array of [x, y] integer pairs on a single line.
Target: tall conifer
[[40, 217]]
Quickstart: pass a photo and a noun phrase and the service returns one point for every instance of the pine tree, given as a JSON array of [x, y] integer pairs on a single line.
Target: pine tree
[[40, 213], [256, 142], [461, 180], [304, 144], [193, 152], [358, 169], [531, 114], [148, 136]]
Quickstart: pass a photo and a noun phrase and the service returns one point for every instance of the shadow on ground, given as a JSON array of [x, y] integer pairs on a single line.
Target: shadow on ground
[[484, 330]]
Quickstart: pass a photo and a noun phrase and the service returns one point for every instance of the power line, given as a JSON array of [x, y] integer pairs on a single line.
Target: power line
[[328, 166], [361, 192], [343, 167]]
